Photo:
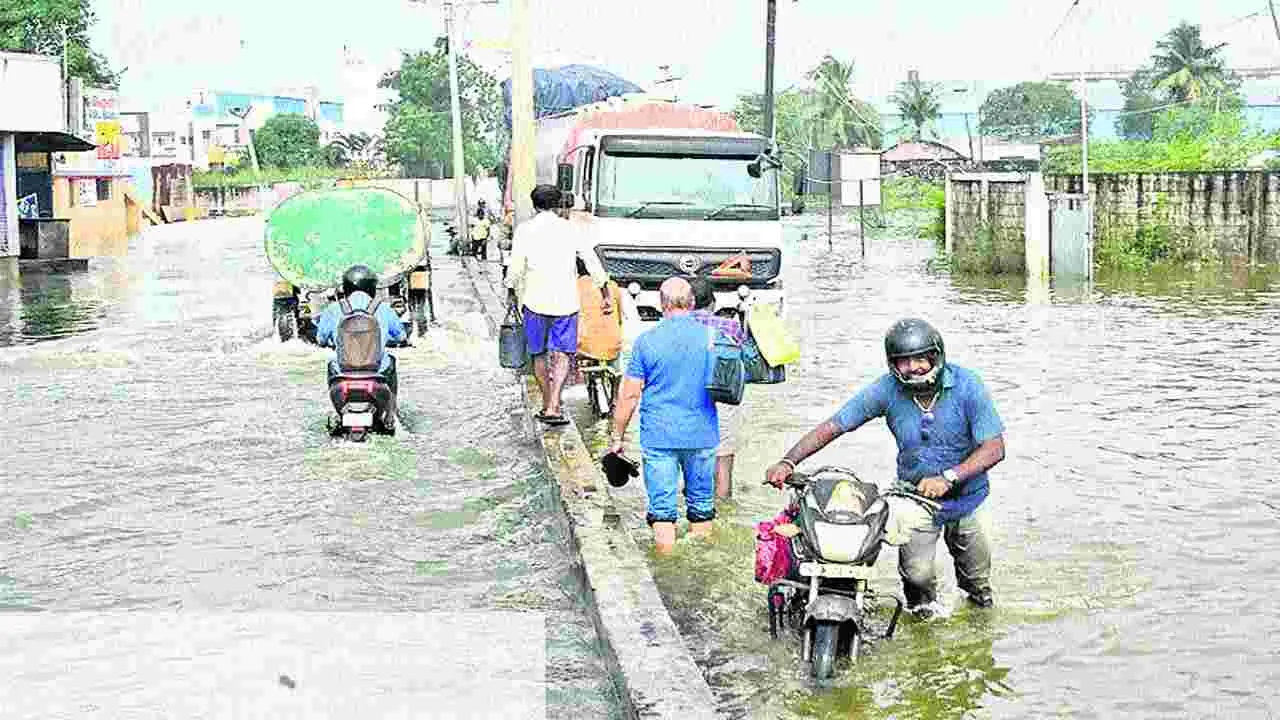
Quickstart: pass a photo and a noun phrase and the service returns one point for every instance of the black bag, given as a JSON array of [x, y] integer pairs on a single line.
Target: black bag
[[512, 345], [726, 376], [359, 338], [759, 371]]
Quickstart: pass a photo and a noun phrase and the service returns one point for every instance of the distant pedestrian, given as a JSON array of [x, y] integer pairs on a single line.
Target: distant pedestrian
[[679, 431], [542, 278], [731, 417]]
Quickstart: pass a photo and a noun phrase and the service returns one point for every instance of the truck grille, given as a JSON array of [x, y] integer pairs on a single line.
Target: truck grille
[[650, 266]]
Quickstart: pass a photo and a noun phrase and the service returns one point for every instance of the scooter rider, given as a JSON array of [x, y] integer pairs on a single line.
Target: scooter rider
[[359, 287], [948, 434]]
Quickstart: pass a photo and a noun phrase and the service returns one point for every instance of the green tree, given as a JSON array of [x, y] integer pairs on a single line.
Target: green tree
[[849, 120], [418, 130], [918, 104], [1186, 69], [288, 140], [36, 26], [1140, 100], [1030, 110]]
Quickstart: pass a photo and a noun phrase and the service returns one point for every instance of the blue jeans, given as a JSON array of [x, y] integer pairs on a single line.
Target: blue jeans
[[662, 471]]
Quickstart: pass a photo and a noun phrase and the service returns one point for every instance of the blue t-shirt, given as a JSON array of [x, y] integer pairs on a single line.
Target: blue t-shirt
[[388, 322], [675, 410], [963, 418]]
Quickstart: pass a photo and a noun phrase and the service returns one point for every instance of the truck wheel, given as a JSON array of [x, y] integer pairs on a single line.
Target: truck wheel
[[286, 325]]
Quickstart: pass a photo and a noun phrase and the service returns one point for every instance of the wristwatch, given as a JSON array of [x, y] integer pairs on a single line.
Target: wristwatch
[[951, 477]]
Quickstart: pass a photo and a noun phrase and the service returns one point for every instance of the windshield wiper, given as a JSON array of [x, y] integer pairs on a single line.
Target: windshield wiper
[[642, 207], [730, 206]]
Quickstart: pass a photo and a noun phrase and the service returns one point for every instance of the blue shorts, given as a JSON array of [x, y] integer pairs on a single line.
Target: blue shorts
[[662, 471], [550, 332]]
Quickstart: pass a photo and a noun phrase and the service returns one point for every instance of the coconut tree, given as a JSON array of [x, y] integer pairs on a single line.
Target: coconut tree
[[1185, 68], [852, 121], [918, 105]]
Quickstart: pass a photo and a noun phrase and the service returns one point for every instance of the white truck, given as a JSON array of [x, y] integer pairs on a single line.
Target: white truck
[[663, 189]]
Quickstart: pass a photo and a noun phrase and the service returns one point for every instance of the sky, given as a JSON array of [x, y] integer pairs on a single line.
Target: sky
[[267, 46]]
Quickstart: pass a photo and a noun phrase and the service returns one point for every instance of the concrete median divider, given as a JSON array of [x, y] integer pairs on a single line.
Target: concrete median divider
[[640, 640]]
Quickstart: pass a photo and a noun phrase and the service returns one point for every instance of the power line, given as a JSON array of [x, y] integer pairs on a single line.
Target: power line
[[1063, 22]]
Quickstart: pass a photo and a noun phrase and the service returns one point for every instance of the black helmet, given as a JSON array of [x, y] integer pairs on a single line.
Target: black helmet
[[911, 337], [359, 277]]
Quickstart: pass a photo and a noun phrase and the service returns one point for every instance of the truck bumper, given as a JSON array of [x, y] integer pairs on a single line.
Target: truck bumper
[[649, 305]]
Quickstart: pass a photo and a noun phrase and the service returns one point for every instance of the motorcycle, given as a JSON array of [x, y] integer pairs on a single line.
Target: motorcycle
[[364, 401], [365, 404], [834, 527]]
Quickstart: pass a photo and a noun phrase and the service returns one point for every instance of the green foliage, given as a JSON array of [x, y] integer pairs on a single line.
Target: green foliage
[[1185, 69], [1031, 110], [288, 140], [419, 130], [910, 207], [918, 104], [853, 121], [1186, 139], [36, 26], [1140, 97], [317, 176]]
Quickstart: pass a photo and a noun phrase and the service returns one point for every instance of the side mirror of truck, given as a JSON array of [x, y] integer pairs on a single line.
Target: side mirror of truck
[[564, 177]]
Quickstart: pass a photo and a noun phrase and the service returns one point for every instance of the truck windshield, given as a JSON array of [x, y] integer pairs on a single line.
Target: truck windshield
[[684, 187]]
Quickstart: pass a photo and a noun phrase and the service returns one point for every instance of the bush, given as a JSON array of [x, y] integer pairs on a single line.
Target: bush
[[308, 176]]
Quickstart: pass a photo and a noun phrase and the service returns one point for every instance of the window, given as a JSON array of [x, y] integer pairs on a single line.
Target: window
[[104, 189], [206, 136]]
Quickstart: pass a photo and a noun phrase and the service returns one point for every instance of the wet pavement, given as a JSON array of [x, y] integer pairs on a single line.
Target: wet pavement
[[1134, 518], [170, 457]]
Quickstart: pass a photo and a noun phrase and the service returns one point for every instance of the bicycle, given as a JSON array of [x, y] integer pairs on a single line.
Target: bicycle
[[602, 378]]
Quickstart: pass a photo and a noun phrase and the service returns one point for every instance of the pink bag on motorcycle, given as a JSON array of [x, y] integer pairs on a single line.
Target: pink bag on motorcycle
[[773, 551]]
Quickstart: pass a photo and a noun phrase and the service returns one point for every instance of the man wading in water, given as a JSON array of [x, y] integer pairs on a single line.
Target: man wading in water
[[949, 435]]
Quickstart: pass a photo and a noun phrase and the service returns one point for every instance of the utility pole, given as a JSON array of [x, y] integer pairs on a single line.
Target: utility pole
[[455, 103], [771, 15], [522, 167], [243, 116], [66, 102]]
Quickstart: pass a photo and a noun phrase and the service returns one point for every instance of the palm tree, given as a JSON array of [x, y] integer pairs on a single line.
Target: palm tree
[[1185, 68], [849, 120], [918, 104]]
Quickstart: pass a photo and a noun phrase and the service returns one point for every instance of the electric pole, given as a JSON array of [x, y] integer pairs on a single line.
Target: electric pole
[[522, 174], [771, 15], [455, 103]]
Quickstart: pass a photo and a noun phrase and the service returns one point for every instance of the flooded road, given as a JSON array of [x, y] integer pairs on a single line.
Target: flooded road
[[171, 459], [1135, 518]]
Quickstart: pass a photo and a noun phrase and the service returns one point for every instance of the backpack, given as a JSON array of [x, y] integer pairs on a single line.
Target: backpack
[[726, 375], [359, 338]]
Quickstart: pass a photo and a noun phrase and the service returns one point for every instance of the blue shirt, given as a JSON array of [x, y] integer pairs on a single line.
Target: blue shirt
[[964, 418], [388, 322], [676, 413]]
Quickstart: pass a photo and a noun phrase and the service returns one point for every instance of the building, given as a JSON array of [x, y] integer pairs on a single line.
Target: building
[[32, 124], [220, 121]]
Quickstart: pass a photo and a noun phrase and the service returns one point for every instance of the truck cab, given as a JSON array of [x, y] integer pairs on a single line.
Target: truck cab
[[656, 203]]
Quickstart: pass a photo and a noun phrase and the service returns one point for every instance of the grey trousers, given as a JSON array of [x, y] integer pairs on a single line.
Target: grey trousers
[[966, 539]]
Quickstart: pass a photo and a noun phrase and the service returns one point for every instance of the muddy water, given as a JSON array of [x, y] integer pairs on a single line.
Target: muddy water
[[170, 456], [1134, 519]]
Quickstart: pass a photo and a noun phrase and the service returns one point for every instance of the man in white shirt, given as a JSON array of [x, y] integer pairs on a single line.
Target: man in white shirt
[[543, 267]]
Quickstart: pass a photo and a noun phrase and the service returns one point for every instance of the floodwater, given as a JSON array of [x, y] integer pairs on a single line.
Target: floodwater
[[1135, 519], [166, 455]]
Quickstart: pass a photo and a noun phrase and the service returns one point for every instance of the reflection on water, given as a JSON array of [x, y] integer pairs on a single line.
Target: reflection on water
[[1131, 518]]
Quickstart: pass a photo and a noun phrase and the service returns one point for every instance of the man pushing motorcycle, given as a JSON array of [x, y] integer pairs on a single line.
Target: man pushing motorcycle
[[948, 434]]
